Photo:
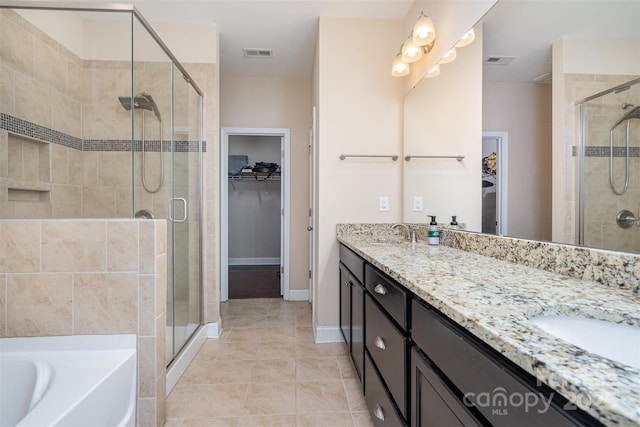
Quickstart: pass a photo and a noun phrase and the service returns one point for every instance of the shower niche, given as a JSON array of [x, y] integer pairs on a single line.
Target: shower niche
[[28, 175]]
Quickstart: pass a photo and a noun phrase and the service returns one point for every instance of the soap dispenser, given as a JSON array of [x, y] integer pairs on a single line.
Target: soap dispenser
[[454, 223], [433, 235]]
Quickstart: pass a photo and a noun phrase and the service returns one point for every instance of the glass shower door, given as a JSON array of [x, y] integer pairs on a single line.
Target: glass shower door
[[167, 117], [610, 161], [184, 216]]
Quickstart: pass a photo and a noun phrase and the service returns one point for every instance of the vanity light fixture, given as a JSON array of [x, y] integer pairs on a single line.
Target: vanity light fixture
[[467, 38], [417, 45], [433, 71], [448, 57], [424, 32], [410, 51], [399, 68]]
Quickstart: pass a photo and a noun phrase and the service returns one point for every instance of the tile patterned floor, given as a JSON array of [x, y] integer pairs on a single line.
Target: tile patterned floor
[[266, 370]]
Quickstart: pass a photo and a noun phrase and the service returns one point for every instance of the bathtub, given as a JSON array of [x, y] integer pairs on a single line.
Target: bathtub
[[68, 381]]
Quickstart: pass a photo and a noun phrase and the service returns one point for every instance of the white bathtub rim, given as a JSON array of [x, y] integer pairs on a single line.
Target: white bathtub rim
[[71, 382]]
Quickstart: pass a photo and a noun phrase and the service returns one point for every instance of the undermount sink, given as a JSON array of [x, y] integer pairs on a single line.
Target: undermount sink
[[615, 341]]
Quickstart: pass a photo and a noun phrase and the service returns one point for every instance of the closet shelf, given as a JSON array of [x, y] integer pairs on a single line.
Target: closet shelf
[[258, 176]]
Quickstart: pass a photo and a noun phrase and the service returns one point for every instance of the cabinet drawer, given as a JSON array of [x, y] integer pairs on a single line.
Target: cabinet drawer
[[432, 403], [382, 411], [390, 295], [354, 263], [387, 347], [496, 389]]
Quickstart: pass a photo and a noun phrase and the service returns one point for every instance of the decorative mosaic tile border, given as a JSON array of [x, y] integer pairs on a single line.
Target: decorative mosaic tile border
[[31, 130], [603, 151]]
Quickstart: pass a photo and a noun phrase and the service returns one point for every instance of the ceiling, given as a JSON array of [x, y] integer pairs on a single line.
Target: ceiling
[[288, 27], [526, 29]]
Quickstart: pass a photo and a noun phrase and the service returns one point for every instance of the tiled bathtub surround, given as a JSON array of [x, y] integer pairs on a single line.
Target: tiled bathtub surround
[[494, 299], [612, 269], [90, 277]]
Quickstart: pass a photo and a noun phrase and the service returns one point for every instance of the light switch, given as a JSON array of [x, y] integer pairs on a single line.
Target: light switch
[[384, 204], [417, 203]]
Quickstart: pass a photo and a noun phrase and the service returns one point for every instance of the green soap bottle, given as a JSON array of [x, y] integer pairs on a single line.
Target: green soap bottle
[[433, 235]]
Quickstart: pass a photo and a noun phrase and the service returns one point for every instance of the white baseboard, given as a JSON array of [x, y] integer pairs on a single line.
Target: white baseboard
[[181, 363], [326, 334], [254, 261], [298, 295], [214, 329]]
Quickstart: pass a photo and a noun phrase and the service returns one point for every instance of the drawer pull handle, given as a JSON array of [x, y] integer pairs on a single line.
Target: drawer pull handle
[[379, 289], [378, 412], [379, 342]]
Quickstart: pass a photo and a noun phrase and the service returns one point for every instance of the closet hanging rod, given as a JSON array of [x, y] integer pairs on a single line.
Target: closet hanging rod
[[458, 158], [391, 156]]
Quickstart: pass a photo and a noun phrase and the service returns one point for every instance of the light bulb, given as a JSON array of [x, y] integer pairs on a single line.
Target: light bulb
[[433, 71], [410, 52], [398, 67], [449, 56], [423, 31], [467, 39]]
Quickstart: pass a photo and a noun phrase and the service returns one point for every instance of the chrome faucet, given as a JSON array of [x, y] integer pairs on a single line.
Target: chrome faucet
[[411, 233]]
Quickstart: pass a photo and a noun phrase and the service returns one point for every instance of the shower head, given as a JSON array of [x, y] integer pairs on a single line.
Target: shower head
[[633, 114], [143, 101]]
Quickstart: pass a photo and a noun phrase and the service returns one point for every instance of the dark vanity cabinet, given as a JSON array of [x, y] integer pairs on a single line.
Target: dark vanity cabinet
[[456, 376], [386, 344], [420, 368], [433, 402], [352, 306]]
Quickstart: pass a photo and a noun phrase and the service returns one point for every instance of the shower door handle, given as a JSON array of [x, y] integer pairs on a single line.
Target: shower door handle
[[184, 206]]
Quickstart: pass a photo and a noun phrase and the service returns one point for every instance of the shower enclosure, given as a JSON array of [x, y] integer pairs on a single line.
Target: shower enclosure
[[99, 120], [609, 167]]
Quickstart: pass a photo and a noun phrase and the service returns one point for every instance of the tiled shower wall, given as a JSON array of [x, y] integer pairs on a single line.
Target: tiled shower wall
[[89, 277], [61, 117], [601, 229], [65, 139]]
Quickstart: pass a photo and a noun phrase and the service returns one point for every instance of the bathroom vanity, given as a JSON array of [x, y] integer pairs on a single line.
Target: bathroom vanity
[[449, 340]]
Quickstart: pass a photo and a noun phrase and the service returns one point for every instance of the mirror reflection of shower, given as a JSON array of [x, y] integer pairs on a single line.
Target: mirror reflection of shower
[[145, 102], [633, 114]]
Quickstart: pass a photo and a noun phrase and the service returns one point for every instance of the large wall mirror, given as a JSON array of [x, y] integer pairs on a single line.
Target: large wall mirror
[[536, 160]]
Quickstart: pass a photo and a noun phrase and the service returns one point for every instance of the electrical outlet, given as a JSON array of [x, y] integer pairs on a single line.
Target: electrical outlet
[[384, 204], [417, 203]]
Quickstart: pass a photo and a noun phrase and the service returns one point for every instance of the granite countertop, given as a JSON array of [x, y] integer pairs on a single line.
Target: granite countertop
[[493, 299]]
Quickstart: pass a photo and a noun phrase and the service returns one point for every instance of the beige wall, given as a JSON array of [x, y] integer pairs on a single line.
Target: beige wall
[[263, 102], [90, 277], [442, 117], [359, 112], [523, 110]]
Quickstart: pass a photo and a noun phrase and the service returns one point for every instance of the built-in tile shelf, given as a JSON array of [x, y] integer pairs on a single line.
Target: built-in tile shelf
[[28, 161], [28, 195]]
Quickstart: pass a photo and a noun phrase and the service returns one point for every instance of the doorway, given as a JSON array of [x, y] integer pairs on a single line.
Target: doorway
[[494, 183], [254, 213]]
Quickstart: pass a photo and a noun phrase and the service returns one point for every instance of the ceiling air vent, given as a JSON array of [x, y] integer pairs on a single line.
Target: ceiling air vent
[[257, 53], [499, 60]]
